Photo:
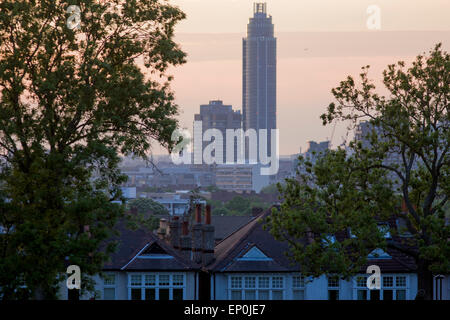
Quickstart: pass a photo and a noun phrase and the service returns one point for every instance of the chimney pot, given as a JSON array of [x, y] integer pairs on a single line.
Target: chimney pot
[[185, 228], [208, 214], [198, 213]]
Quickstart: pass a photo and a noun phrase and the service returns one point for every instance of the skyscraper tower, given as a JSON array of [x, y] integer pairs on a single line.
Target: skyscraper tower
[[260, 73]]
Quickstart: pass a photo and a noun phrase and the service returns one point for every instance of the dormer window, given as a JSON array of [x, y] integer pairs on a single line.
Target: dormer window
[[379, 254], [328, 240], [402, 227], [254, 254], [385, 230]]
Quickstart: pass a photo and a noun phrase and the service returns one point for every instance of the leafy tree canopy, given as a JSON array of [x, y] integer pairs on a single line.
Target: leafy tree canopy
[[355, 188], [146, 206], [71, 102]]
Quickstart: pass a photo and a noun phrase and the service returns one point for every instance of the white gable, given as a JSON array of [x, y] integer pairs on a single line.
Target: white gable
[[254, 254], [379, 254]]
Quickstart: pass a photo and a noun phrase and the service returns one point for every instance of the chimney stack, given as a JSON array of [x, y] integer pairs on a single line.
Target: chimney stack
[[186, 241], [197, 235], [162, 229], [208, 238], [174, 233]]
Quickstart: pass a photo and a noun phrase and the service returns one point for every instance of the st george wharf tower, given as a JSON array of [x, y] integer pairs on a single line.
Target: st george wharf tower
[[259, 98]]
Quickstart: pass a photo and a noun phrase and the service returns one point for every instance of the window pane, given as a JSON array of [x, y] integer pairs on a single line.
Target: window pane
[[298, 282], [333, 282], [333, 295], [164, 280], [109, 294], [388, 295], [236, 282], [263, 295], [401, 281], [163, 294], [277, 295], [236, 295], [263, 282], [401, 295], [388, 281], [136, 294], [150, 280], [299, 295], [177, 294], [109, 279], [250, 295], [178, 280], [277, 282], [361, 282], [250, 282], [136, 280], [150, 294], [362, 294]]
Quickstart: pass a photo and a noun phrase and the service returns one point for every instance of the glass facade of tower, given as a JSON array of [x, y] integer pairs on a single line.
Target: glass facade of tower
[[260, 73]]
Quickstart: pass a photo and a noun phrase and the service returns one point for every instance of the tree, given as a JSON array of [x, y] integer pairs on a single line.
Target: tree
[[239, 205], [270, 189], [355, 188], [146, 206], [71, 101]]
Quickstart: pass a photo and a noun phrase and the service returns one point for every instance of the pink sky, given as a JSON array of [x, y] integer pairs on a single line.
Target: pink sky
[[311, 61]]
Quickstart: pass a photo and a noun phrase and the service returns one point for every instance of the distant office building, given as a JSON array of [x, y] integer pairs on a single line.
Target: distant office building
[[317, 148], [241, 178], [129, 192], [216, 115], [259, 99], [314, 151], [237, 178], [176, 204]]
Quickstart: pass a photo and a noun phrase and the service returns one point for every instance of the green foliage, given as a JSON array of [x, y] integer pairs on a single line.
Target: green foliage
[[270, 189], [238, 206], [146, 206], [71, 101], [362, 185], [143, 221]]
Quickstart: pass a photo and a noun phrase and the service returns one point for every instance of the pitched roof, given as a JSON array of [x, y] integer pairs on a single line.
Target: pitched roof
[[230, 251], [142, 250], [227, 225]]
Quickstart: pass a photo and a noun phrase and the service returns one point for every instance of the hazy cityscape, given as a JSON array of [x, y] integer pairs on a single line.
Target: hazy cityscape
[[164, 150]]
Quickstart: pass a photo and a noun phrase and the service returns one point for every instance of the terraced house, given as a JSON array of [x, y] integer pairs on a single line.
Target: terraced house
[[183, 262]]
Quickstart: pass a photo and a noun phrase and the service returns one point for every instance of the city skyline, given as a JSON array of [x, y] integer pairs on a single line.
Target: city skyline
[[310, 64]]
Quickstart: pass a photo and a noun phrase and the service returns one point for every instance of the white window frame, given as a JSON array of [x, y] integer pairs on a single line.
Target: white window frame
[[302, 286], [156, 286], [257, 289], [394, 286], [338, 288], [109, 286]]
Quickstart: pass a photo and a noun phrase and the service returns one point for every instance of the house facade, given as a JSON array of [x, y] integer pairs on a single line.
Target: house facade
[[183, 262]]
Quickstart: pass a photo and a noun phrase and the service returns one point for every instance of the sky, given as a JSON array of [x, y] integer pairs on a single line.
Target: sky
[[320, 42]]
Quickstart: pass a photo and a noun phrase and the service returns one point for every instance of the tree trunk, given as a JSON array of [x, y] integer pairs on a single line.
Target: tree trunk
[[424, 281]]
